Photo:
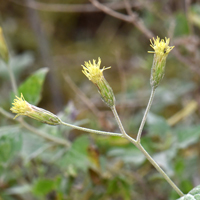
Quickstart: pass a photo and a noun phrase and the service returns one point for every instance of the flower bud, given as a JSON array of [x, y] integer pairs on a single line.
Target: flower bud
[[95, 74], [161, 51], [22, 107], [4, 55]]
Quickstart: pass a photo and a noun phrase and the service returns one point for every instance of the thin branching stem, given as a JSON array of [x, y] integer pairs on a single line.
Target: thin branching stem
[[91, 130], [140, 147], [134, 19], [145, 115], [73, 8], [121, 126], [158, 168]]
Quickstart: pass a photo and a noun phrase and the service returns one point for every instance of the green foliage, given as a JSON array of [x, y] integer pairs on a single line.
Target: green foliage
[[32, 87], [10, 143], [127, 155], [194, 194], [77, 156], [43, 186], [187, 136], [119, 187], [100, 167]]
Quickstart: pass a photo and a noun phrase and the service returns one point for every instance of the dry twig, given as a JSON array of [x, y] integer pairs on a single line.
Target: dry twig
[[134, 19], [73, 8]]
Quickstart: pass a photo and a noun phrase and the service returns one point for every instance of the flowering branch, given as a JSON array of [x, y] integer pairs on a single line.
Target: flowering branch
[[22, 107], [95, 74]]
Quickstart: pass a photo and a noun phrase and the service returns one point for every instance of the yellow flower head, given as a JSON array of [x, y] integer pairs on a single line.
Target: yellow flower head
[[20, 106], [95, 74], [160, 47], [93, 71]]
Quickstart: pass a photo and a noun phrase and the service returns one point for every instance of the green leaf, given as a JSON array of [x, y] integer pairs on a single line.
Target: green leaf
[[18, 189], [77, 156], [187, 136], [119, 186], [31, 144], [127, 155], [43, 186], [157, 126], [31, 88], [197, 196], [189, 197], [164, 159], [10, 143], [6, 150], [195, 190], [194, 194]]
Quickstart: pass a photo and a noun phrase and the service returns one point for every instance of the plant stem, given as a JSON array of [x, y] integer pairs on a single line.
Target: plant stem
[[121, 126], [91, 130], [6, 114], [140, 147], [12, 78], [166, 177], [145, 115]]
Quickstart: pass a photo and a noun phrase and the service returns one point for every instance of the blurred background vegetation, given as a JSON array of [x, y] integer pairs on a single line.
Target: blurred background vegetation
[[57, 36]]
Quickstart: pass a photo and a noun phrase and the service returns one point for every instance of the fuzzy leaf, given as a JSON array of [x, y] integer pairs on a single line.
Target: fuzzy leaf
[[31, 88]]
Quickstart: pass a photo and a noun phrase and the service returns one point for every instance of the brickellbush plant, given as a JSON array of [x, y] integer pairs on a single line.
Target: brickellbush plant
[[94, 73]]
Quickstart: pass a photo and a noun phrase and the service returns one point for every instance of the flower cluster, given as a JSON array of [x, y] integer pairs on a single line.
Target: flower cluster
[[93, 72], [161, 51], [160, 47], [22, 107]]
